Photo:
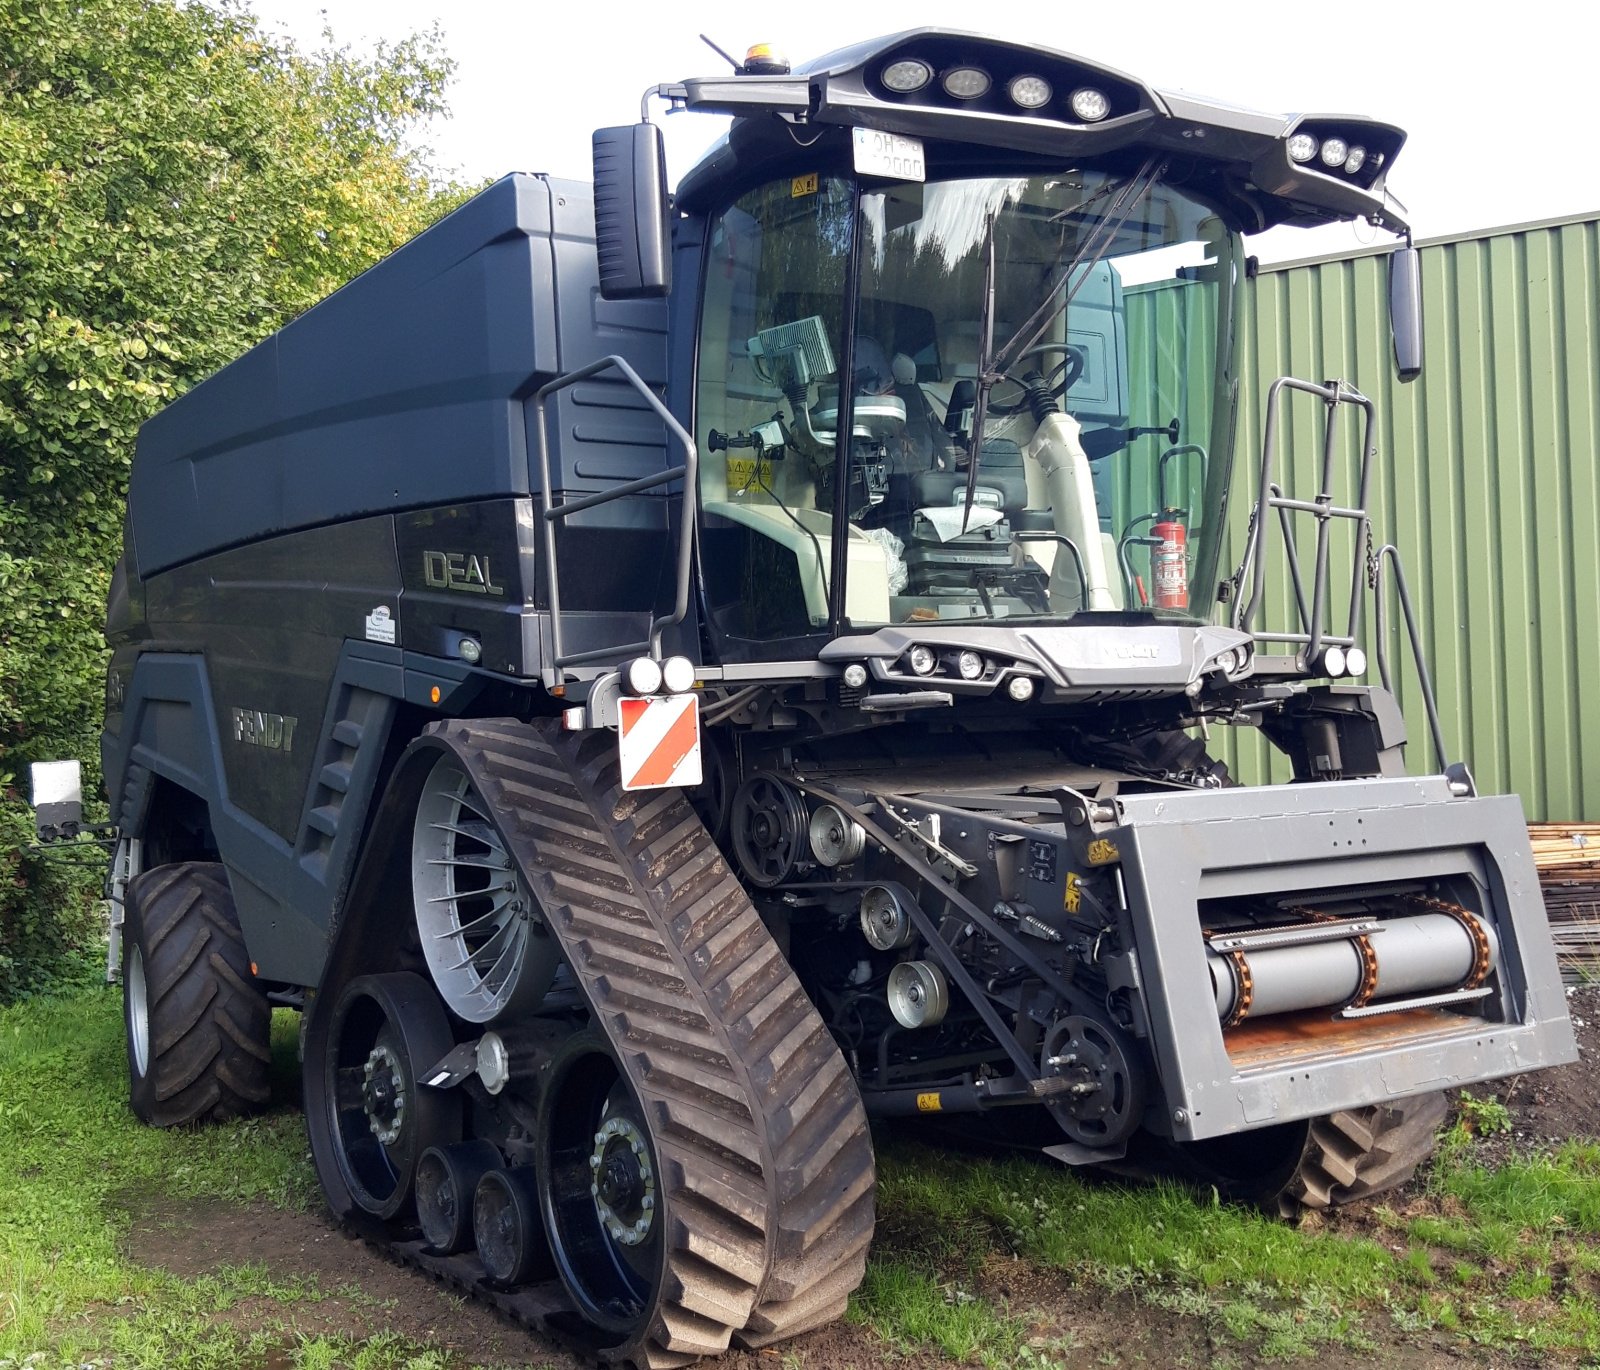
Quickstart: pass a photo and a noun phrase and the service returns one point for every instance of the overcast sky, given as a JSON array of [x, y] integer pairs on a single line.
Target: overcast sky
[[1498, 101]]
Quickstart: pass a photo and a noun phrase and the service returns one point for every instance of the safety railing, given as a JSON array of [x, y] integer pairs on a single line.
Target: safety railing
[[1314, 635], [1368, 569], [555, 514]]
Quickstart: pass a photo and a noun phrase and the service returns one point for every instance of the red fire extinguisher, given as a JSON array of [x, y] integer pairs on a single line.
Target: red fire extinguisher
[[1169, 566]]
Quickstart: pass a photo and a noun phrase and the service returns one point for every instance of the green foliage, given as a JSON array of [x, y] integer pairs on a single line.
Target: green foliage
[[174, 185]]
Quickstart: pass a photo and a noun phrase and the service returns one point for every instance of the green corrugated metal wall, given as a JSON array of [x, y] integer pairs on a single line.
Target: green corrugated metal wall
[[1488, 480]]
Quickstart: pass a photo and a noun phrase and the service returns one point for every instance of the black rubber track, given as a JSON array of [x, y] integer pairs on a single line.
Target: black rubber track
[[761, 1140], [210, 1024], [1358, 1152]]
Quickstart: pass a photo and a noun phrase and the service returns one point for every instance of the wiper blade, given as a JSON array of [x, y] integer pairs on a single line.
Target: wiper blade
[[992, 366], [980, 408], [1094, 247]]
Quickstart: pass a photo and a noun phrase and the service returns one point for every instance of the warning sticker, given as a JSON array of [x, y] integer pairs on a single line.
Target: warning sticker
[[659, 742], [803, 185], [748, 473]]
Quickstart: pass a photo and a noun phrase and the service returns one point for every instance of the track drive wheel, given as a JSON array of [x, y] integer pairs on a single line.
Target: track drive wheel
[[606, 1198], [198, 1024], [1321, 1163], [363, 1102]]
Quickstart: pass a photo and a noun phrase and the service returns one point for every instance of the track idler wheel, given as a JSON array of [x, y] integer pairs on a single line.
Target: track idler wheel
[[371, 1120]]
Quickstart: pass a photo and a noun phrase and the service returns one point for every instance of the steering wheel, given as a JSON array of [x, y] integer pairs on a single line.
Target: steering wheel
[[1057, 381]]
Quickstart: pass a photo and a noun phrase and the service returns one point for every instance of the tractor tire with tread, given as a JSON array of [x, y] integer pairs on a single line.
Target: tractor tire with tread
[[1358, 1152], [198, 1025]]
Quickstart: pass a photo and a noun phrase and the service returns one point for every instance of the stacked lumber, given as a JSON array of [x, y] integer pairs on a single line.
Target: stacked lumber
[[1567, 857]]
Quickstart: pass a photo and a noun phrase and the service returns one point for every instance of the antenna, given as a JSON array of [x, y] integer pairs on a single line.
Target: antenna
[[720, 53]]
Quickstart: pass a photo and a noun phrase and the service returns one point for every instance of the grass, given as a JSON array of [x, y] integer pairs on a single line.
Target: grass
[[78, 1168], [1505, 1257]]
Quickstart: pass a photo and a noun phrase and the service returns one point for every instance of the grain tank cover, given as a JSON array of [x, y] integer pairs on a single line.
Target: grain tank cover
[[403, 389]]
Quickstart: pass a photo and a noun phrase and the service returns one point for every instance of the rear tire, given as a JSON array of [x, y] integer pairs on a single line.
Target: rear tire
[[198, 1025], [1321, 1163]]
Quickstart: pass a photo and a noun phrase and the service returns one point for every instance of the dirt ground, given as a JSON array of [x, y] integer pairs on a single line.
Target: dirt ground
[[367, 1293]]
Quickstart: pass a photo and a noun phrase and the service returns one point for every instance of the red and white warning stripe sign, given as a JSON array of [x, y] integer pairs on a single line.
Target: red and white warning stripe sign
[[659, 741]]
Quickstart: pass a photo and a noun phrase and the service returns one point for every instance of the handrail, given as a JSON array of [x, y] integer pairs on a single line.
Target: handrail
[[1315, 635], [1391, 554], [688, 472]]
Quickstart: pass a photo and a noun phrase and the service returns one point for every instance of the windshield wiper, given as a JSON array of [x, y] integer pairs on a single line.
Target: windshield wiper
[[991, 365]]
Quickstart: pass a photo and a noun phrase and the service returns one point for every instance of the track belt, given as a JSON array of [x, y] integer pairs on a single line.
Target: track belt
[[762, 1144]]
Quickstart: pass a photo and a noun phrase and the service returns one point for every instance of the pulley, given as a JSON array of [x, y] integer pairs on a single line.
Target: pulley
[[836, 840], [918, 995], [884, 920], [1100, 1099], [768, 824]]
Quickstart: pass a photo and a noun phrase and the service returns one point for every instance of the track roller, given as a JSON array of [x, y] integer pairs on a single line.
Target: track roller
[[508, 1229], [447, 1178]]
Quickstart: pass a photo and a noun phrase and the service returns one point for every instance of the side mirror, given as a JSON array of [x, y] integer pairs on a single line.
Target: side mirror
[[631, 232], [1405, 310], [57, 798]]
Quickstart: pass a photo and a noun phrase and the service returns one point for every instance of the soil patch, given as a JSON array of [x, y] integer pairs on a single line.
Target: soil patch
[[1549, 1107], [366, 1292]]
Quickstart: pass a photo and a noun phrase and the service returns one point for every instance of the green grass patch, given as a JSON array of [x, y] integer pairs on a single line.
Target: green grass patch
[[79, 1169], [1503, 1257]]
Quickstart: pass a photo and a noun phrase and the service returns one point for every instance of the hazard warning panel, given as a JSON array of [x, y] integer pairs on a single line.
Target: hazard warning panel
[[659, 740]]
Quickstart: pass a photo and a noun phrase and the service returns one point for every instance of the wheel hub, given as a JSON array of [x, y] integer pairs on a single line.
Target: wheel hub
[[383, 1094], [624, 1186]]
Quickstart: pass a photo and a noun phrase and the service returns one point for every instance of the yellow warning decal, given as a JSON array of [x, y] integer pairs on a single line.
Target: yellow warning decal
[[746, 473], [928, 1103], [1103, 852], [803, 185], [1073, 897]]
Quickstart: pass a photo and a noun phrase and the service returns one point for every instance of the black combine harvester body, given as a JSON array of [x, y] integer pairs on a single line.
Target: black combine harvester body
[[640, 786]]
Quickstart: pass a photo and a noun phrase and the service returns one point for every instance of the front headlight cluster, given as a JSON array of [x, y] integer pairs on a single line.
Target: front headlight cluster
[[1235, 661], [1342, 661], [1027, 91], [957, 664], [1332, 152]]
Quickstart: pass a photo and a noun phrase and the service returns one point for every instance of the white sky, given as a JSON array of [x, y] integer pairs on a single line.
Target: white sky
[[1496, 99]]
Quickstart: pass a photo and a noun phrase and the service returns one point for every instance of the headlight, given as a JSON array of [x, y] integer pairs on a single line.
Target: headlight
[[969, 666], [921, 660], [1031, 92], [1355, 662], [677, 674], [906, 75], [1020, 688], [1356, 160], [1302, 147], [1334, 151], [642, 676], [966, 83], [1090, 105], [1333, 662]]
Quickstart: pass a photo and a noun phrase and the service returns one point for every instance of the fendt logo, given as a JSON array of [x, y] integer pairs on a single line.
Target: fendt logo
[[460, 571], [1132, 651], [256, 729]]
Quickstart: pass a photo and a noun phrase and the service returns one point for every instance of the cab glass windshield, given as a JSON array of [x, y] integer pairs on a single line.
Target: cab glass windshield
[[1097, 306]]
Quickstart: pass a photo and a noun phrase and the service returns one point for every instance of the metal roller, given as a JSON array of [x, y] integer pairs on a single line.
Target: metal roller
[[1396, 958]]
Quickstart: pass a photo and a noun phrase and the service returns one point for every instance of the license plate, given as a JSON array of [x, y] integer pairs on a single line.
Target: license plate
[[658, 742], [890, 155]]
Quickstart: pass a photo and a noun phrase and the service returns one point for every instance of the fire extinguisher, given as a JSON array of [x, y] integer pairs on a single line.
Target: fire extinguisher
[[1169, 566]]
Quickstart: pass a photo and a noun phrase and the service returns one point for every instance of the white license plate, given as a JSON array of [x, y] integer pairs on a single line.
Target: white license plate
[[889, 154]]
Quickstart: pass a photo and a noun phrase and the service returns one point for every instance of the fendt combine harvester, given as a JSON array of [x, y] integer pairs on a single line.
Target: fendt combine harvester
[[653, 732]]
